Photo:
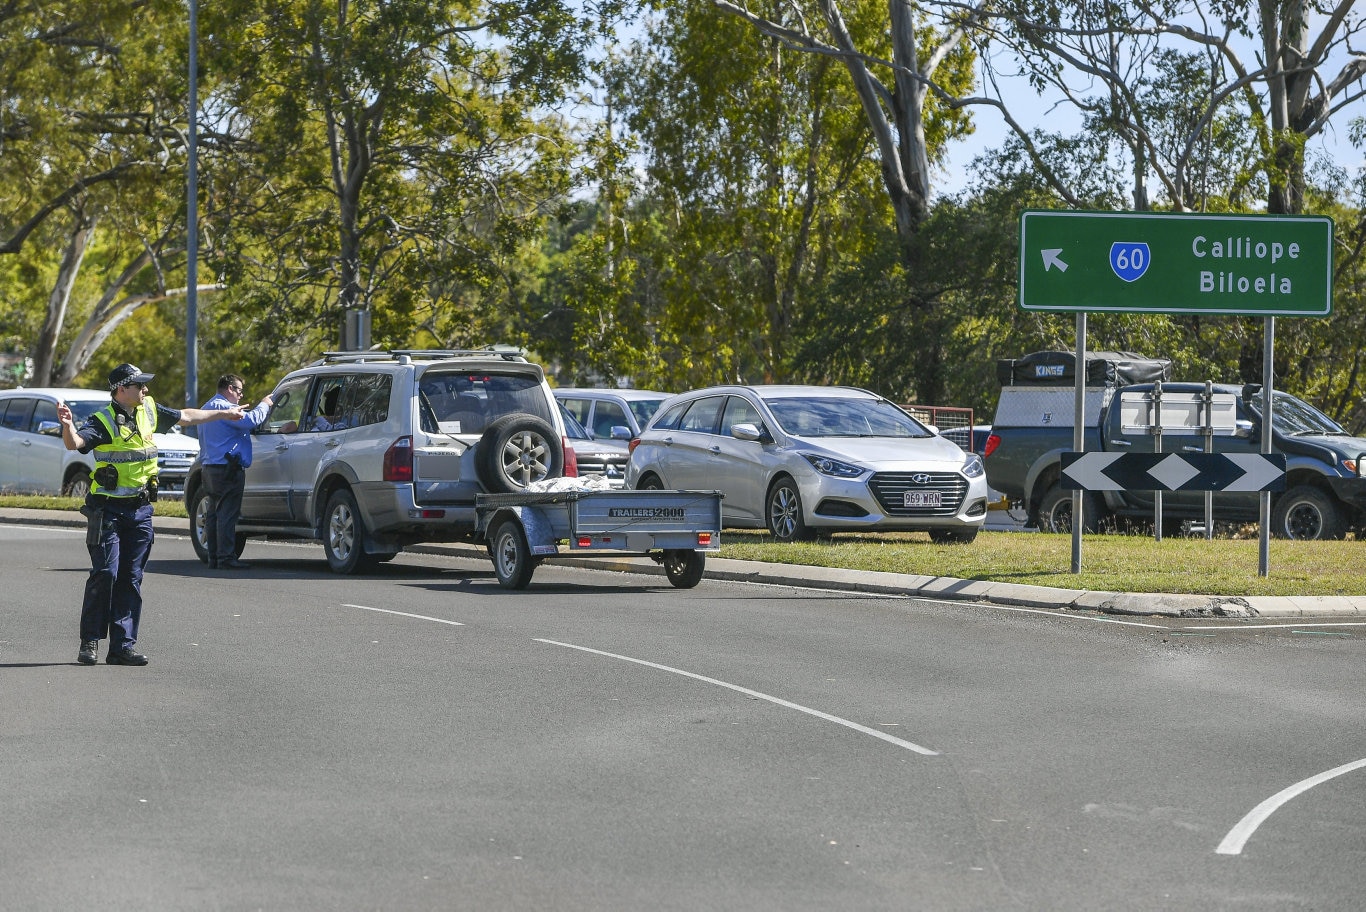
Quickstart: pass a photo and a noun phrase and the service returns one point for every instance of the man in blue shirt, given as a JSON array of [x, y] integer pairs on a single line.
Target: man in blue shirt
[[225, 453]]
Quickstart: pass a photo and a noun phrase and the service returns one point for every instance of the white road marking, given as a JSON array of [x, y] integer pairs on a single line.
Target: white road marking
[[882, 736], [420, 617], [1239, 835], [1236, 626]]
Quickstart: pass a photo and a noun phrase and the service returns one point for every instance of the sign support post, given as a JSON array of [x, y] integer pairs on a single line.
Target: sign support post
[[1079, 438], [1268, 412]]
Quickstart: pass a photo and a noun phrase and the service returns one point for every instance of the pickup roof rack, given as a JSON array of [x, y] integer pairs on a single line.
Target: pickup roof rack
[[505, 352]]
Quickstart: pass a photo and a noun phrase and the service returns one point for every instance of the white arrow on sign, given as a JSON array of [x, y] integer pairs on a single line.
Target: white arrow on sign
[[1051, 258], [1258, 472], [1089, 472]]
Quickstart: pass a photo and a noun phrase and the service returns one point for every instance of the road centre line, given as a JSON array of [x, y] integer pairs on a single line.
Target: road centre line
[[1239, 835], [882, 736], [420, 617]]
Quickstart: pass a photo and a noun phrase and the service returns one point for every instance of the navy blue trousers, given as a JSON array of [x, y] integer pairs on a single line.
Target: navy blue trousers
[[119, 540], [224, 484]]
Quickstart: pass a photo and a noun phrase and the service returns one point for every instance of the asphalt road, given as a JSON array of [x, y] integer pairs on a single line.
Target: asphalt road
[[423, 739]]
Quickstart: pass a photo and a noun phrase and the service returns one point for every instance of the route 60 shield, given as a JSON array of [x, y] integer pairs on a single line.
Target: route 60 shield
[[1129, 260]]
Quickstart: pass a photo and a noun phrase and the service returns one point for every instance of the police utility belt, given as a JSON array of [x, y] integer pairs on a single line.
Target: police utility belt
[[145, 495]]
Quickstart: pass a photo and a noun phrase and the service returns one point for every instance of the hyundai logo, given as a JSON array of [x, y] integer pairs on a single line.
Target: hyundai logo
[[920, 478]]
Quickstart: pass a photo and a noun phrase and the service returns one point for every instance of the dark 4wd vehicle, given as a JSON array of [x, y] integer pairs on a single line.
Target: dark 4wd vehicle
[[369, 452]]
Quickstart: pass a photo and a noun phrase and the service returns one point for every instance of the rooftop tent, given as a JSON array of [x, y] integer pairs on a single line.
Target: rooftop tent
[[1103, 368]]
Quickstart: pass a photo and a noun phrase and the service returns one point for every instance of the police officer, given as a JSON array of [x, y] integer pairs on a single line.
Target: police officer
[[118, 508]]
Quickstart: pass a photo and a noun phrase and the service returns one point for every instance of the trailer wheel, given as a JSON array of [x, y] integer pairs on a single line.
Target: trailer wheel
[[684, 567], [512, 560]]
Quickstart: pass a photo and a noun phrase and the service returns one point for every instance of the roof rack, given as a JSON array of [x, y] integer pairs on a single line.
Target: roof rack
[[505, 352]]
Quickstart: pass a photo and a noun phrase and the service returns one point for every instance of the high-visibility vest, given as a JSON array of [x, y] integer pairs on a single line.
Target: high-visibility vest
[[132, 452]]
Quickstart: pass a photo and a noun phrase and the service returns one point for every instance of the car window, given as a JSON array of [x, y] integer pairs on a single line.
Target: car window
[[740, 410], [287, 407], [45, 410], [572, 428], [367, 399], [669, 420], [17, 411], [606, 416], [815, 416], [350, 401], [467, 403], [644, 409], [577, 407], [702, 415]]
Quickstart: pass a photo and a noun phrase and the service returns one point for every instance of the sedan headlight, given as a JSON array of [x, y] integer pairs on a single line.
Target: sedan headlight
[[972, 466], [827, 466]]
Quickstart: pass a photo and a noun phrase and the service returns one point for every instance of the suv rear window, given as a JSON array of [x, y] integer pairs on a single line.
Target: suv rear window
[[467, 403]]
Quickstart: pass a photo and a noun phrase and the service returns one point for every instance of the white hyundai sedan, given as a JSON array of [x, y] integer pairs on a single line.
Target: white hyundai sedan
[[806, 460], [33, 459]]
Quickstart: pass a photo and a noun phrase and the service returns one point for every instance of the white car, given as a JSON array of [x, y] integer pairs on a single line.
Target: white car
[[33, 459], [805, 460]]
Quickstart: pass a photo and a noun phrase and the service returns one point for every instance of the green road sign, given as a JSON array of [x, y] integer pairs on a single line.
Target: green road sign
[[1130, 262]]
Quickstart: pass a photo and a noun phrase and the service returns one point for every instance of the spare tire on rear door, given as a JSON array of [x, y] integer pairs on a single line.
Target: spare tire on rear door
[[516, 450]]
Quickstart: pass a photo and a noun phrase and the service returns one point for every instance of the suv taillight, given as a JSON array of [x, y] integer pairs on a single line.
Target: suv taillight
[[571, 459], [398, 460], [993, 441]]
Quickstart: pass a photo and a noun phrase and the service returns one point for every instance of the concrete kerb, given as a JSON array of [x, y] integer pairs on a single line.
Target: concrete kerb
[[884, 583]]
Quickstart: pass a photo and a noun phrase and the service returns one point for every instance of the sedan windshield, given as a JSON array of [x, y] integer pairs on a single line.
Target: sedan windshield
[[841, 417], [1295, 417]]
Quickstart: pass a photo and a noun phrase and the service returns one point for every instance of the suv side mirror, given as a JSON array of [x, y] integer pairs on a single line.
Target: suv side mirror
[[621, 432], [1242, 428]]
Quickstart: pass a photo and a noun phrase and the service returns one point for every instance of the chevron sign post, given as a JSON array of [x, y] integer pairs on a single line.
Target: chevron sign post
[[1173, 472]]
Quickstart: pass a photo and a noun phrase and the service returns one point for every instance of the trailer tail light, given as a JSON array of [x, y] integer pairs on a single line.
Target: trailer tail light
[[703, 539], [398, 460], [571, 459], [993, 441]]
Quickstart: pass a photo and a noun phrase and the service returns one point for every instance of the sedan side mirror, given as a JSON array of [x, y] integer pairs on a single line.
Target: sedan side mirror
[[51, 428], [750, 432]]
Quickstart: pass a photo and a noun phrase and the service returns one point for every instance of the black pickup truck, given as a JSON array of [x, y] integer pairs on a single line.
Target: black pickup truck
[[1325, 493]]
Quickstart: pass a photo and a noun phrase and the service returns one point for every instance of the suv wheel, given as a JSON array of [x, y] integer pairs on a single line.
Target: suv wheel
[[199, 529], [344, 534], [516, 450]]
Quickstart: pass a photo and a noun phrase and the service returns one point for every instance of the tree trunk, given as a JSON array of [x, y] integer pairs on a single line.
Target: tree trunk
[[44, 355]]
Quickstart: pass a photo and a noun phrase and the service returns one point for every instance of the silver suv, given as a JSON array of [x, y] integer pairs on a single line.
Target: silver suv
[[369, 452]]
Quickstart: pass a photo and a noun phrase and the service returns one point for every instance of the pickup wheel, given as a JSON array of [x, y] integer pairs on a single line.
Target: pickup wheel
[[512, 561], [1055, 511], [684, 567], [516, 450], [1307, 513]]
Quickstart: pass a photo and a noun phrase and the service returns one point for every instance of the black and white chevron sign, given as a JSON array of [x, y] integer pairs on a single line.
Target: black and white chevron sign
[[1173, 472]]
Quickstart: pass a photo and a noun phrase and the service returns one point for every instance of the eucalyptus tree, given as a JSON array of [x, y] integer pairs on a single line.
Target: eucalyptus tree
[[91, 151], [408, 150], [762, 175]]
